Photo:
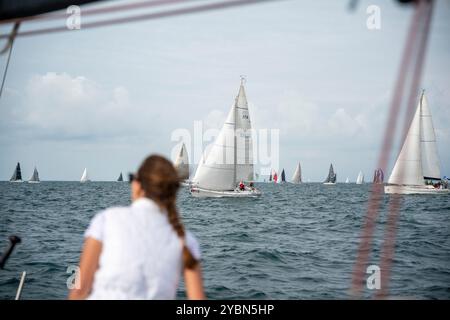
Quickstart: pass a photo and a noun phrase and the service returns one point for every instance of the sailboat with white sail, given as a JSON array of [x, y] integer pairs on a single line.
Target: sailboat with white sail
[[347, 180], [417, 166], [230, 159], [331, 178], [120, 178], [360, 178], [85, 177], [297, 177], [17, 174], [35, 177], [182, 165]]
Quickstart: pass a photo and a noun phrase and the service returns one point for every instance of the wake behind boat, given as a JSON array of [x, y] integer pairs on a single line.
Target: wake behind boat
[[230, 160], [417, 168], [17, 174]]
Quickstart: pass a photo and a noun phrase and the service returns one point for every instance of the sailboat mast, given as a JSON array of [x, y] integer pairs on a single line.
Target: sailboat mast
[[235, 144]]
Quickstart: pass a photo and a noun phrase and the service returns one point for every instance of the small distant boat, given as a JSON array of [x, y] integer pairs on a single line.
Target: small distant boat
[[331, 178], [182, 165], [360, 178], [275, 177], [230, 159], [35, 177], [270, 177], [347, 180], [297, 177], [378, 176], [417, 167], [283, 176], [17, 174], [120, 178], [84, 177]]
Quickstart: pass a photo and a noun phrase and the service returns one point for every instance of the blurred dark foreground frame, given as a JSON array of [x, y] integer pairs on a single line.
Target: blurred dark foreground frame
[[228, 309]]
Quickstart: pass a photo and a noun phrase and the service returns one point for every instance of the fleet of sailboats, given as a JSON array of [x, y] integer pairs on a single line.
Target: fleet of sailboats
[[417, 166], [230, 159], [331, 178], [360, 178]]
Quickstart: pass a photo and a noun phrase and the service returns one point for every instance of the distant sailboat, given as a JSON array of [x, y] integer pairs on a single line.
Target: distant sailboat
[[283, 176], [360, 178], [182, 164], [35, 177], [275, 177], [418, 160], [378, 176], [270, 177], [120, 178], [84, 177], [331, 178], [347, 180], [17, 175], [231, 157], [297, 177]]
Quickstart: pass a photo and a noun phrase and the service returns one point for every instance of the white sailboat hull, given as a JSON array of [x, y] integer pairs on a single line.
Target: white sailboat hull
[[16, 181], [404, 189], [205, 193], [329, 183], [34, 182], [185, 183]]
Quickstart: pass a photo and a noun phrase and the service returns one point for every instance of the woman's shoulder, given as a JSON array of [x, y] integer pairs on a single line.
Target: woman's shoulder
[[97, 225]]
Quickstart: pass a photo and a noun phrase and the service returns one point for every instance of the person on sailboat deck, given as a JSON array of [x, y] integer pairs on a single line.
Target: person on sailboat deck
[[140, 251], [241, 186]]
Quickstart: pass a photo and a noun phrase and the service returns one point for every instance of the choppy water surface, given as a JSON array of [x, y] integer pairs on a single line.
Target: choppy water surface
[[295, 242]]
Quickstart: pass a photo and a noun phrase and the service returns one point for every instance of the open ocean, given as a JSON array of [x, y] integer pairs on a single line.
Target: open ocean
[[295, 242]]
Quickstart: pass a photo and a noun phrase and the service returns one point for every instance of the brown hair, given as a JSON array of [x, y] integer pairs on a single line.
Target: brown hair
[[160, 182]]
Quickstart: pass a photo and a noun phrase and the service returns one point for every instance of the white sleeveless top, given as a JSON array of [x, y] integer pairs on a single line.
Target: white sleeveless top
[[141, 254]]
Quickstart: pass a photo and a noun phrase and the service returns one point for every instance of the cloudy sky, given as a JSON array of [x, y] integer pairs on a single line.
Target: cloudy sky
[[105, 98]]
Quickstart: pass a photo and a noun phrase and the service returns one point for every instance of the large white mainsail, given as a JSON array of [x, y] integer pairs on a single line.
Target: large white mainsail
[[408, 167], [430, 157], [182, 163], [297, 177], [223, 168], [84, 177]]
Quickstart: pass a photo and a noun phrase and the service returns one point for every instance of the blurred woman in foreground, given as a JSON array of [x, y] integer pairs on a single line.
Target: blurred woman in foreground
[[139, 251]]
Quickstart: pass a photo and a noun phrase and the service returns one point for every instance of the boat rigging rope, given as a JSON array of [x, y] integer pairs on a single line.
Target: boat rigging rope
[[9, 45]]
